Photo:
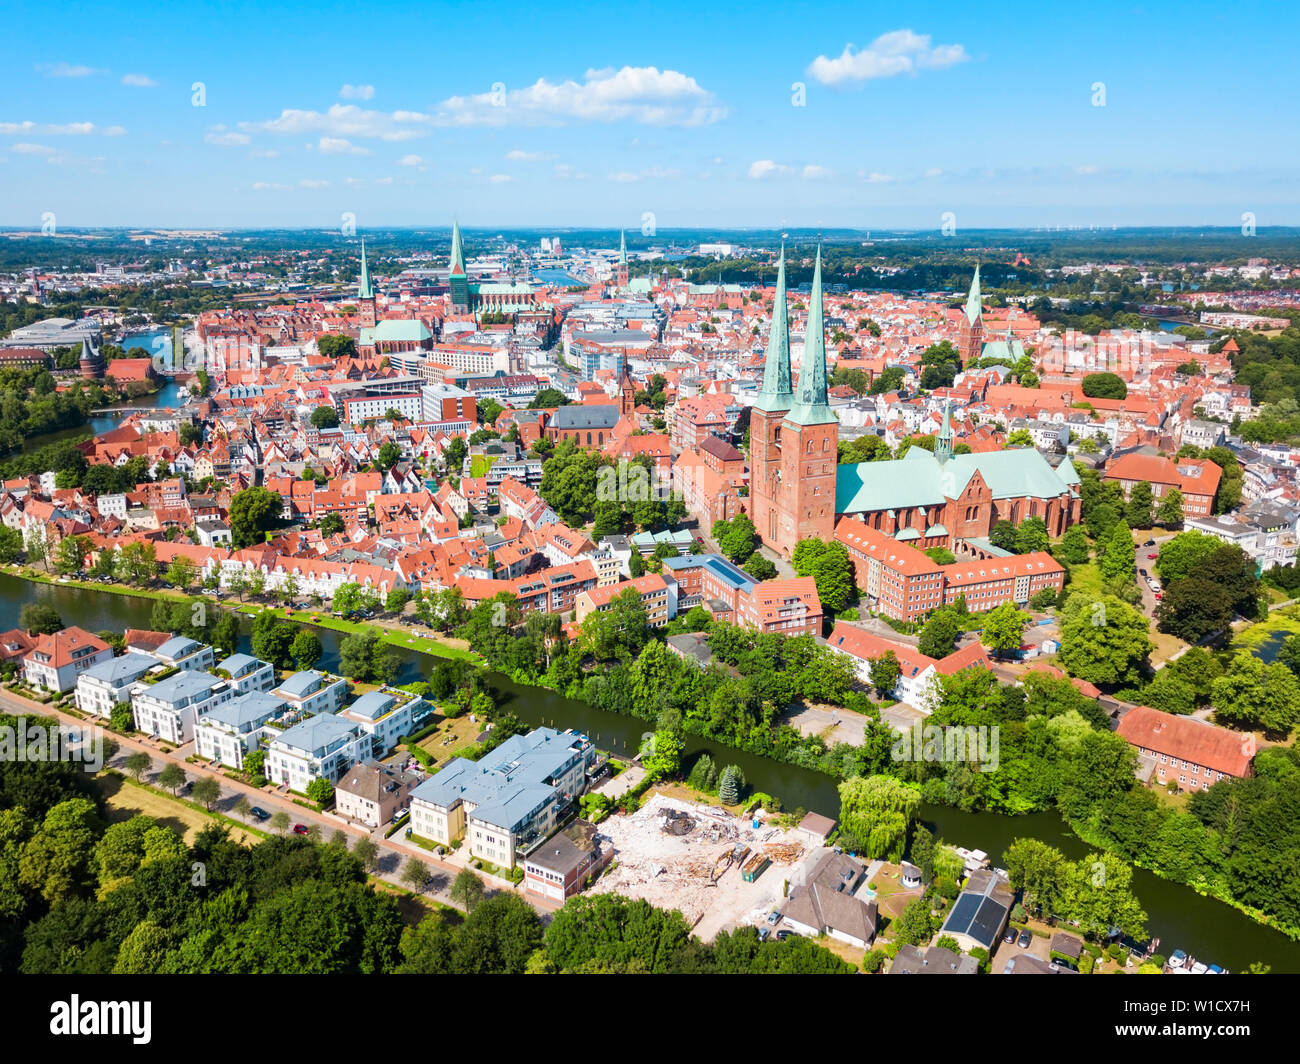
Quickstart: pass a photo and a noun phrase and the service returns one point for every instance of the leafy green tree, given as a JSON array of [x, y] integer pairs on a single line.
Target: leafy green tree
[[306, 649], [885, 673], [1020, 438], [11, 544], [389, 455], [1141, 500], [253, 512], [1004, 627], [40, 618], [831, 569], [1253, 694], [1003, 535], [138, 763], [760, 568], [1104, 386], [878, 812], [939, 635], [1040, 871], [206, 791], [321, 791], [467, 889], [1031, 535], [921, 853], [1181, 556], [1170, 510], [731, 785], [1074, 548], [172, 777], [1103, 641], [1098, 895], [1119, 562], [914, 926], [279, 823]]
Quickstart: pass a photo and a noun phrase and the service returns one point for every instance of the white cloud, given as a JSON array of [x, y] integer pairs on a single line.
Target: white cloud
[[500, 179], [651, 173], [1088, 168], [890, 54], [68, 70], [812, 172], [640, 94], [766, 168], [31, 149], [340, 146], [357, 92], [115, 131], [138, 81], [410, 160], [308, 182], [226, 138], [345, 120], [264, 153], [521, 156], [934, 171], [877, 178], [624, 177], [71, 129], [262, 185]]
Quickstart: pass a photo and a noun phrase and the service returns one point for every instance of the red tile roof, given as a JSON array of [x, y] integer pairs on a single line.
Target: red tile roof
[[1189, 739]]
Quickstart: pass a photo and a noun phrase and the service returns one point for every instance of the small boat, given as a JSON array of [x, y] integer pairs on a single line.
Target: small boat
[[1177, 959], [1214, 969]]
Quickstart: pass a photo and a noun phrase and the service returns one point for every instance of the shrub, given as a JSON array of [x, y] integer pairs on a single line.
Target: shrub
[[874, 961]]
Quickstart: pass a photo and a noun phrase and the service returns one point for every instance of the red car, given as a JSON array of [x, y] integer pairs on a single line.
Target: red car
[[300, 829], [1150, 555]]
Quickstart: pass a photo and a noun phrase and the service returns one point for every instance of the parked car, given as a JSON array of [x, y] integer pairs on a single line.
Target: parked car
[[774, 917], [300, 829], [1026, 937], [260, 813], [763, 932], [1010, 936], [1151, 557], [1149, 543], [783, 934]]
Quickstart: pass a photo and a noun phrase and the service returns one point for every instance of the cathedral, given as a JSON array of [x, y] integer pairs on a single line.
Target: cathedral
[[799, 491]]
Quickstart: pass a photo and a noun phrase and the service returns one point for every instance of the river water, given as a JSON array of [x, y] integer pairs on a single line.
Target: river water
[[1205, 928]]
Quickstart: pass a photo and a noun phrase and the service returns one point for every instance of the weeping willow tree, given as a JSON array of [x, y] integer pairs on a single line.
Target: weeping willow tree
[[876, 812]]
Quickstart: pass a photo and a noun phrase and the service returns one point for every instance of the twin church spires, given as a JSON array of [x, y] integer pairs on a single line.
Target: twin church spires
[[811, 406]]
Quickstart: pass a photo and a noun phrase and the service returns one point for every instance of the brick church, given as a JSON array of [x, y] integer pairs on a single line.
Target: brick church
[[799, 491]]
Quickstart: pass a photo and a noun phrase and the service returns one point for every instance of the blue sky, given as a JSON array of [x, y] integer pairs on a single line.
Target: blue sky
[[570, 115]]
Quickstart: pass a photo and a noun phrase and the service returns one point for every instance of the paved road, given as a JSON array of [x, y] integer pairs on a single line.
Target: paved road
[[1141, 561], [392, 852]]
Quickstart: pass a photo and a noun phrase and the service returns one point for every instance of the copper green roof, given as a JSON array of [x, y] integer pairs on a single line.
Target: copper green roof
[[394, 330], [812, 407], [919, 479], [364, 290], [457, 255], [973, 307], [775, 395]]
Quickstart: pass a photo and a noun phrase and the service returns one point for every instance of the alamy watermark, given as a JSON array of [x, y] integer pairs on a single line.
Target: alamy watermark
[[52, 742], [949, 744]]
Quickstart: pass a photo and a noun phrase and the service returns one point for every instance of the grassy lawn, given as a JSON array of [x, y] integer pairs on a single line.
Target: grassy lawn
[[842, 950], [1166, 646], [415, 907], [439, 647], [452, 736], [1085, 578], [125, 800]]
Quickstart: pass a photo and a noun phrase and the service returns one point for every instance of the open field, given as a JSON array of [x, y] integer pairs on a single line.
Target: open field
[[125, 800], [452, 736]]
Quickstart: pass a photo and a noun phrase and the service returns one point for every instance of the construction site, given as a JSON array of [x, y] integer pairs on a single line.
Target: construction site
[[718, 869]]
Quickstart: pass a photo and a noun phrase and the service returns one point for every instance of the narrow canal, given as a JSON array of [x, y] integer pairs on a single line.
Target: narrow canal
[[1178, 916]]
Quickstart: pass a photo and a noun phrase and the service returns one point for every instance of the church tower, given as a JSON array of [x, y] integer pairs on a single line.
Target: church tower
[[626, 394], [970, 338], [770, 405], [620, 278], [457, 278], [809, 441], [365, 294], [943, 442]]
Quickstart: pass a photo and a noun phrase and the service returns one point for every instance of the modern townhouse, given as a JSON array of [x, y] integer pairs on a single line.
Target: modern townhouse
[[57, 660], [230, 731], [386, 716], [320, 747], [183, 653], [506, 803], [247, 673], [103, 686], [170, 707], [313, 692]]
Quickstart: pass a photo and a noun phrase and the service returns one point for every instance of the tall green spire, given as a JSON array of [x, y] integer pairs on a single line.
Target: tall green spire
[[457, 255], [776, 395], [973, 307], [364, 291], [943, 443], [622, 248], [813, 406]]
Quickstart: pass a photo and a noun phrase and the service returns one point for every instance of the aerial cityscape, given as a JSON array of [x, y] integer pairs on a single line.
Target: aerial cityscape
[[614, 518]]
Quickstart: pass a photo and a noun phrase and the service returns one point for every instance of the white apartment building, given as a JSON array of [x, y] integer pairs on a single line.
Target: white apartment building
[[386, 716], [230, 731], [170, 708], [313, 692], [321, 747], [103, 686], [248, 673]]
